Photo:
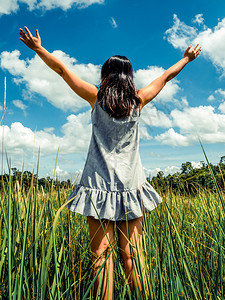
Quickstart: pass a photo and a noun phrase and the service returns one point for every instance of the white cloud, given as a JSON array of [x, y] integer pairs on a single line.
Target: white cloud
[[143, 133], [171, 170], [12, 6], [211, 98], [181, 35], [19, 104], [181, 103], [62, 174], [198, 19], [196, 165], [217, 95], [40, 79], [49, 129], [7, 7], [196, 119], [11, 62], [144, 77], [152, 117], [173, 138], [67, 4], [113, 22], [195, 123], [221, 92], [75, 139], [222, 107]]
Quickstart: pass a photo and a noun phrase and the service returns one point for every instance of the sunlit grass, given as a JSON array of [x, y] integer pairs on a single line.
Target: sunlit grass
[[45, 248]]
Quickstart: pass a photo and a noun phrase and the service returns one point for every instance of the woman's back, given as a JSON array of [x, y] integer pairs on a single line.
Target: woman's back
[[113, 184], [113, 161]]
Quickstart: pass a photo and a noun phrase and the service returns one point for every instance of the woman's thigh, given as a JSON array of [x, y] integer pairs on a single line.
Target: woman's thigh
[[133, 238], [100, 238]]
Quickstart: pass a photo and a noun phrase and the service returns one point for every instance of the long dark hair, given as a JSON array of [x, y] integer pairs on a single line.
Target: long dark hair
[[117, 93]]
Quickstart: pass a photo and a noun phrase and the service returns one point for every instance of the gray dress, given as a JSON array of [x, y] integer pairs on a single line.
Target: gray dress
[[113, 185]]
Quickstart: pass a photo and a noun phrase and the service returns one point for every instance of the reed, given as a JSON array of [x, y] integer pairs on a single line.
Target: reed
[[45, 249]]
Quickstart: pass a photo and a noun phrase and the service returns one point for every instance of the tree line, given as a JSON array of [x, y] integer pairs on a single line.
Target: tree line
[[187, 180], [190, 179]]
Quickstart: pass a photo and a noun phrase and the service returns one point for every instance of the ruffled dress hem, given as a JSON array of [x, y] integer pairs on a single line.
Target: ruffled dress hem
[[113, 205]]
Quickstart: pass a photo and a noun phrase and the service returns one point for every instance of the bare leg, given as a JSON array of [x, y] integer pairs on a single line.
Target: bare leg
[[135, 232], [100, 248]]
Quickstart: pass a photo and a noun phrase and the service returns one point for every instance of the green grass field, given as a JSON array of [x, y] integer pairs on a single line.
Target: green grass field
[[45, 249]]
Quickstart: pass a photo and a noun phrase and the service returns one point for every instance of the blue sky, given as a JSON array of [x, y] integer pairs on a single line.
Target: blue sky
[[43, 112]]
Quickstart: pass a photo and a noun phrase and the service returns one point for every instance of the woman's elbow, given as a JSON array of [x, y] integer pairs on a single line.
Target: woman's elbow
[[60, 72]]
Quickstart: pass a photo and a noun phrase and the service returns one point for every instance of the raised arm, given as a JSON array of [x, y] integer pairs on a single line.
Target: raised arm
[[82, 88], [149, 92]]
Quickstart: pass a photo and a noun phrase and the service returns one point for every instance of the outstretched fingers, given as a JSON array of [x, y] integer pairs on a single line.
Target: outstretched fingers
[[23, 34], [195, 47], [28, 32], [197, 50], [37, 34]]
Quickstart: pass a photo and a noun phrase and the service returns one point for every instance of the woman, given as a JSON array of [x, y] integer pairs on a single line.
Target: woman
[[113, 186]]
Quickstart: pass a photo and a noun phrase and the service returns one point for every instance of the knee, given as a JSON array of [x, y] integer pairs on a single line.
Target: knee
[[127, 261], [102, 250]]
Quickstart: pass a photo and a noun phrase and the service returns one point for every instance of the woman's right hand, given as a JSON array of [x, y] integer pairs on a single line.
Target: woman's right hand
[[29, 40], [191, 54]]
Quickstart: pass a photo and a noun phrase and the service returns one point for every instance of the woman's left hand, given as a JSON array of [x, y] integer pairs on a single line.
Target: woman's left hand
[[29, 40], [191, 54]]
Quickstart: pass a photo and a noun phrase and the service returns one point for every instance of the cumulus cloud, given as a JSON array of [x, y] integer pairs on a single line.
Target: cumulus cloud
[[152, 117], [220, 92], [171, 170], [7, 7], [173, 138], [181, 35], [166, 171], [12, 6], [222, 107], [143, 133], [194, 123], [113, 22], [76, 136], [211, 98], [181, 103], [62, 174], [196, 165], [218, 95], [197, 119], [40, 79]]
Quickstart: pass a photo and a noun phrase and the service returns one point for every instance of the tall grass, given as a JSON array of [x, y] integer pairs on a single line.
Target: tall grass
[[45, 249]]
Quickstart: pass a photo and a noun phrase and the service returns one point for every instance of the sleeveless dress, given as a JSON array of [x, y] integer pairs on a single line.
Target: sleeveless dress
[[113, 185]]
